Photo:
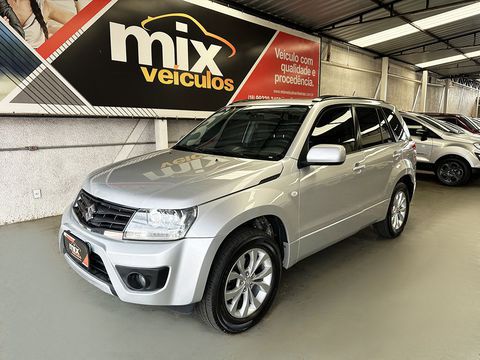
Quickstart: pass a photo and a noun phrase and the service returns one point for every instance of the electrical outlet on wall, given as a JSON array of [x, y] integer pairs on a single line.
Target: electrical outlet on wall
[[37, 194]]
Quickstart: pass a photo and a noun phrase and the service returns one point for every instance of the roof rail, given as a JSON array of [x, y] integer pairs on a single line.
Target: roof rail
[[325, 97], [317, 99]]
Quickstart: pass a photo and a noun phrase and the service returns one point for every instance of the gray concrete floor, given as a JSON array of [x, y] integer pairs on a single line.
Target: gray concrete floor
[[416, 297]]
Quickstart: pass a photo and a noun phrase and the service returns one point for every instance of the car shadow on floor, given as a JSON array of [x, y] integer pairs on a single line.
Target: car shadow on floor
[[426, 176]]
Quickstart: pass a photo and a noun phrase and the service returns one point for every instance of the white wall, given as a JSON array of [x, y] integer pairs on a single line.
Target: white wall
[[462, 99], [346, 71], [60, 172]]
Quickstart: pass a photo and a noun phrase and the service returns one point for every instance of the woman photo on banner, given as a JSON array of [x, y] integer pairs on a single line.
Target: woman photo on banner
[[40, 19], [9, 15]]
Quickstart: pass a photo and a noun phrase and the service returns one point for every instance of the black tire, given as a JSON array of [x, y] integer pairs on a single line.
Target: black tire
[[453, 171], [212, 309], [385, 227]]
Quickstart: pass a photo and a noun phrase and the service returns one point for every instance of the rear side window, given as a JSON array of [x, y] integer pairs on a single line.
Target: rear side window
[[386, 134], [369, 126], [396, 125], [335, 126]]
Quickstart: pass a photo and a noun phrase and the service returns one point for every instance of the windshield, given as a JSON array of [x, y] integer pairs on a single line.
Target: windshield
[[437, 124], [257, 132], [471, 122], [455, 128]]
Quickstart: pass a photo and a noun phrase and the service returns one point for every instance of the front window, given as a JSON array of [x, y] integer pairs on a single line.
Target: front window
[[256, 132], [335, 126], [413, 126]]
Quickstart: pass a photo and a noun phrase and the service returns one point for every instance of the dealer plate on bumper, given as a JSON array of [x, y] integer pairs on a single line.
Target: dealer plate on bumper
[[77, 249]]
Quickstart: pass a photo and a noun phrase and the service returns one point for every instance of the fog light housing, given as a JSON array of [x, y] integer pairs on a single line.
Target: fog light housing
[[141, 279]]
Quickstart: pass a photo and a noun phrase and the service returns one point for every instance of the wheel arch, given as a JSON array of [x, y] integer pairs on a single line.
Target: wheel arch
[[266, 223], [407, 180], [280, 236], [454, 156], [405, 173]]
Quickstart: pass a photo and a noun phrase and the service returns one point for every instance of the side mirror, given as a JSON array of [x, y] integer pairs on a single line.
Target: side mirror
[[422, 133], [326, 155]]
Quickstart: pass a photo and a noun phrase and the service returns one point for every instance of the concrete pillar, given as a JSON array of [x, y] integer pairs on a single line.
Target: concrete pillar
[[445, 97], [161, 134], [423, 96], [384, 79]]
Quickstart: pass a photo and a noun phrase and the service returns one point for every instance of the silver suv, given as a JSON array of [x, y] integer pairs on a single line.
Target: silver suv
[[254, 189], [452, 153]]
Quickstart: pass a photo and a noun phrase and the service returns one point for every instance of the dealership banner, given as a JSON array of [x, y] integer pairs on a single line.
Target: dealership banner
[[149, 58]]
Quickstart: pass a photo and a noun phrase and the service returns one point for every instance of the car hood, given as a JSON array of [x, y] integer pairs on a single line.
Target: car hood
[[174, 179], [467, 138]]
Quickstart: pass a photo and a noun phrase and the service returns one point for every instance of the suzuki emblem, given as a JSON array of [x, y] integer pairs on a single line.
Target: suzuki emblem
[[88, 215]]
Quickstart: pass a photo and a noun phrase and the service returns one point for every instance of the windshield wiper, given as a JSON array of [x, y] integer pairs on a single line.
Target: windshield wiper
[[200, 150], [185, 148], [255, 155]]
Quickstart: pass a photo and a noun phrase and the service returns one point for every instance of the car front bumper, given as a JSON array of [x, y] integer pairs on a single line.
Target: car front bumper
[[188, 262]]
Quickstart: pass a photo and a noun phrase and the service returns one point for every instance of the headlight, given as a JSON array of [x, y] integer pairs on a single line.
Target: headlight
[[477, 145], [160, 224]]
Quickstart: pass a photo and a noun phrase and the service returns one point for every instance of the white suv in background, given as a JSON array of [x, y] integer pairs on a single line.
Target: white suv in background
[[444, 148]]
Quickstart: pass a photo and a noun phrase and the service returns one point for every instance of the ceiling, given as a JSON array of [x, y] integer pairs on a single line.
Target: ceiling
[[347, 20]]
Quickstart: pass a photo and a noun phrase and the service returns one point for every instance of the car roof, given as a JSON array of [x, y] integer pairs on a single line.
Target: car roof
[[425, 119], [442, 114], [312, 101], [414, 115]]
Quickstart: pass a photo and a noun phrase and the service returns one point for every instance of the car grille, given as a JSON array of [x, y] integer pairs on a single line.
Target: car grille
[[99, 215], [97, 268]]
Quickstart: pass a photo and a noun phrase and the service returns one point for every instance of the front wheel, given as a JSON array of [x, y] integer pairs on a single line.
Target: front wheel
[[453, 171], [397, 215], [243, 281]]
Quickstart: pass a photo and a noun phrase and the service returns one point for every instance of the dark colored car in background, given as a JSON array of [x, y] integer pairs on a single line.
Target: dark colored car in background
[[458, 119]]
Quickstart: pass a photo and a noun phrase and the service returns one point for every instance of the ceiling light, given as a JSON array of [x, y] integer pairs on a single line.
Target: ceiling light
[[423, 24], [449, 16], [449, 59], [473, 54], [385, 35]]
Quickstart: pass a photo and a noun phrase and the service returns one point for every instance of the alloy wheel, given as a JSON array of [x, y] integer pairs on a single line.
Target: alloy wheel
[[399, 210], [248, 283], [451, 172]]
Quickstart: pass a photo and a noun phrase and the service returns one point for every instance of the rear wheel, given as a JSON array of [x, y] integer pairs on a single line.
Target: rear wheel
[[243, 281], [397, 214], [453, 171]]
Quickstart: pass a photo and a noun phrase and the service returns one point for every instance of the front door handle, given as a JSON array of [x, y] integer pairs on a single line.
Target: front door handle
[[358, 167]]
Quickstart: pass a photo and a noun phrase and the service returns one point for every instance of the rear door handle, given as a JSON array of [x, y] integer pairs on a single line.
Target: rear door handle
[[358, 167]]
